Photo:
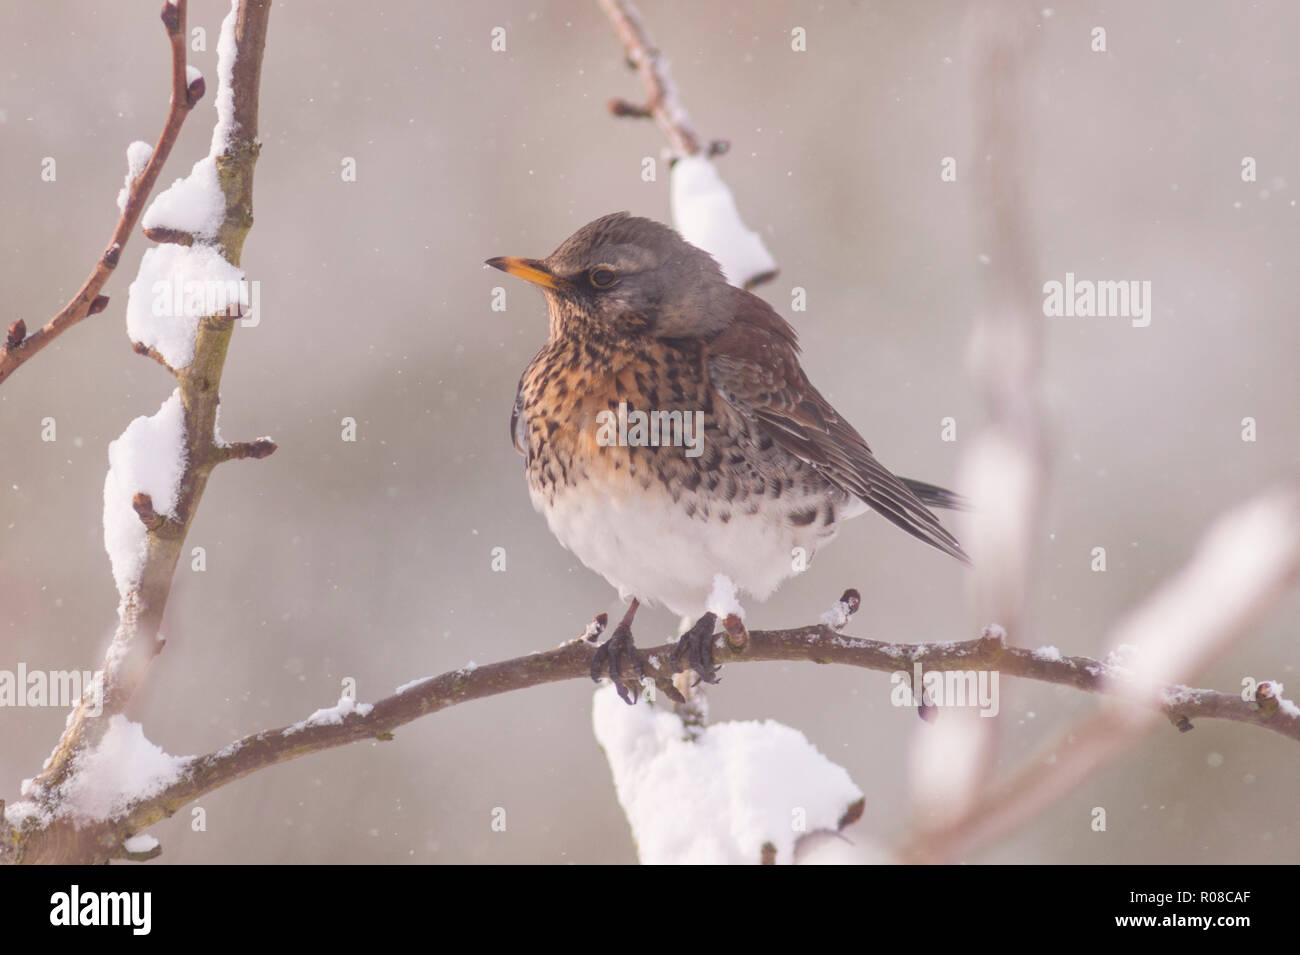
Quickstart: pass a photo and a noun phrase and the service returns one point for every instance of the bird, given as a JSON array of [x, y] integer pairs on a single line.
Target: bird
[[756, 468]]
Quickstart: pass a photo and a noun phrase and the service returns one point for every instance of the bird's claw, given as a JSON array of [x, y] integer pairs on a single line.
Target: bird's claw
[[612, 656], [696, 644]]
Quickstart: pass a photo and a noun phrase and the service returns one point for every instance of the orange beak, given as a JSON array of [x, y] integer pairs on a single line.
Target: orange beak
[[530, 270]]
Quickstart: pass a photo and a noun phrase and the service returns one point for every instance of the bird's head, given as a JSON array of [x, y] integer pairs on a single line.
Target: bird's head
[[624, 275]]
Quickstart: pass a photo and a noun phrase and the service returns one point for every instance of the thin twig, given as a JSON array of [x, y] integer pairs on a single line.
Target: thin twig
[[136, 642], [661, 103], [88, 301]]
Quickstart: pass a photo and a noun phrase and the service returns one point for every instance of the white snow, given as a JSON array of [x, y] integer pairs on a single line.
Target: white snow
[[826, 848], [148, 458], [332, 715], [123, 769], [705, 213], [192, 73], [722, 598], [17, 814], [138, 155], [175, 287], [227, 50], [141, 842], [837, 617], [406, 686], [1050, 654], [719, 798], [1288, 707], [1121, 656], [196, 203]]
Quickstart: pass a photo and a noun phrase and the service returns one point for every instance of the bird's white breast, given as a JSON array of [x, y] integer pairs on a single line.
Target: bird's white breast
[[649, 547]]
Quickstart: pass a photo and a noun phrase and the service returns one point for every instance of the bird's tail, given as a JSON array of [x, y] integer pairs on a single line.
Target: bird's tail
[[932, 495]]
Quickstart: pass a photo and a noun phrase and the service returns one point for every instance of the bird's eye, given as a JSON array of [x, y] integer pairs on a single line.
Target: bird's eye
[[602, 277]]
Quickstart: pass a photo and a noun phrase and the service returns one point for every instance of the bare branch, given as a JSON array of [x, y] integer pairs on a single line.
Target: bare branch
[[140, 348], [88, 301], [661, 103], [261, 448]]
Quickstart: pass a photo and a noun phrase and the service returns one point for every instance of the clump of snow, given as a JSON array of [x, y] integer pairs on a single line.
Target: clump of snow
[[718, 798], [332, 715], [1121, 656], [1178, 695], [19, 814], [194, 204], [123, 769], [406, 686], [175, 287], [838, 616], [722, 598], [148, 458], [1286, 706], [705, 213], [1050, 654], [227, 50], [192, 73], [138, 155], [141, 842]]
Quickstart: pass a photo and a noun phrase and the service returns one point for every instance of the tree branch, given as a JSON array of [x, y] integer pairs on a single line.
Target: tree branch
[[661, 103], [572, 661], [136, 642], [19, 346]]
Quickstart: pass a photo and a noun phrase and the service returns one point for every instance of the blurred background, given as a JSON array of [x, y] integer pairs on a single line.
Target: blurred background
[[372, 560]]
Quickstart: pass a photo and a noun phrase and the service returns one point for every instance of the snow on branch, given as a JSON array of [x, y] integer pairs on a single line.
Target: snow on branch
[[703, 208], [728, 794], [144, 163], [44, 834], [160, 465]]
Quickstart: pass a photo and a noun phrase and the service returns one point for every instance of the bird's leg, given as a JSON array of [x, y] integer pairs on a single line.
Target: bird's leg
[[696, 645], [611, 656]]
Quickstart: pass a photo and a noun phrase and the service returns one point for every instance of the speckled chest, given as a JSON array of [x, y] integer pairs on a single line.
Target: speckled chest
[[736, 467], [574, 390]]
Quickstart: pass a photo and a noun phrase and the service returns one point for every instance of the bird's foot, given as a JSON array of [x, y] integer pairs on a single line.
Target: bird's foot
[[696, 645], [615, 654]]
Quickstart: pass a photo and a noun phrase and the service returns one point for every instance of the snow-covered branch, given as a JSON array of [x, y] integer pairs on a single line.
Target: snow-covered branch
[[662, 104], [704, 210], [143, 166], [1268, 527], [159, 466]]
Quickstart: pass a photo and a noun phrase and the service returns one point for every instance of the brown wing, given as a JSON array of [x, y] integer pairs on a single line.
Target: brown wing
[[754, 365]]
